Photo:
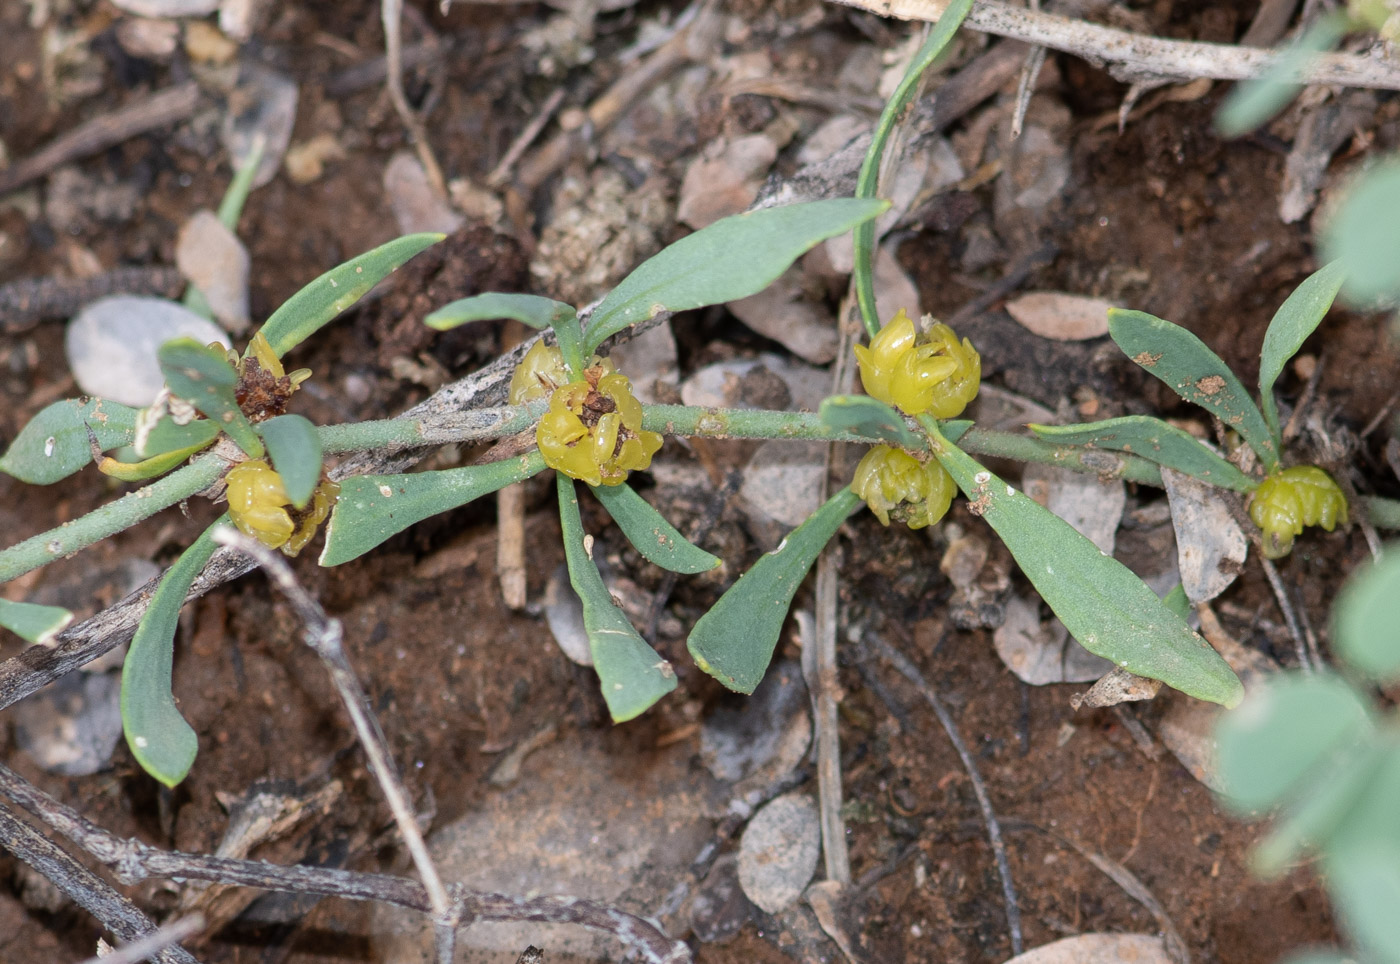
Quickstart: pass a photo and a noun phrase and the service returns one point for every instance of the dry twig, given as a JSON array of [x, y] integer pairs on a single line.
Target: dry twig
[[1132, 57], [158, 940]]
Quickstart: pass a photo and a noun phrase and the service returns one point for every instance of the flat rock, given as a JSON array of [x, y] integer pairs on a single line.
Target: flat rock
[[1099, 949], [1210, 545], [112, 343], [212, 258], [72, 726], [779, 850], [261, 108], [1063, 317], [1042, 652], [416, 206]]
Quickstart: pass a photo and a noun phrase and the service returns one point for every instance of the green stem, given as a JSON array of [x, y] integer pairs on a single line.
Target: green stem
[[399, 433], [1383, 513], [868, 181], [1023, 448], [110, 519], [742, 423]]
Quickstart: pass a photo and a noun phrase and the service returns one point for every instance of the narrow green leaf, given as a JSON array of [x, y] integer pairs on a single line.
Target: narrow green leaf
[[147, 468], [1156, 441], [1364, 233], [202, 376], [166, 436], [1253, 102], [311, 308], [371, 508], [160, 739], [55, 443], [1296, 319], [648, 530], [1365, 631], [734, 641], [1184, 363], [633, 676], [1177, 601], [1110, 611], [1283, 732], [30, 621], [731, 259], [868, 417], [532, 310], [295, 449]]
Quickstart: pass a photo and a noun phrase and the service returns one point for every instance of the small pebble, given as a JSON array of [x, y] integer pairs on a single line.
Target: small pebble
[[779, 850]]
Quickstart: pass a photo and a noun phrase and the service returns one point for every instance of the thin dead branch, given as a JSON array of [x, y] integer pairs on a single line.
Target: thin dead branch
[[391, 13], [28, 300], [1130, 57], [148, 947], [133, 861]]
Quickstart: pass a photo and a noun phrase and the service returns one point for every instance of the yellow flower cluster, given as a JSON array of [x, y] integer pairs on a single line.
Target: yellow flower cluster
[[930, 372], [1288, 500], [259, 506], [593, 429], [542, 371], [895, 484]]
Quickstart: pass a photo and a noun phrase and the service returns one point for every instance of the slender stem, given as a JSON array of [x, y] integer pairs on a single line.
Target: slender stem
[[743, 423], [867, 183], [1024, 448], [110, 519], [400, 433]]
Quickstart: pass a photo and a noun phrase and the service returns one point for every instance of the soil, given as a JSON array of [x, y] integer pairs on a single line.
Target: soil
[[1164, 216]]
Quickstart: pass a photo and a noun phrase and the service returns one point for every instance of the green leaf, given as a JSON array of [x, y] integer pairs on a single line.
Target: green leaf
[[1253, 102], [1110, 611], [633, 676], [202, 376], [731, 259], [160, 739], [146, 468], [1296, 319], [295, 449], [311, 308], [1365, 630], [1177, 601], [30, 621], [1184, 363], [870, 418], [1284, 731], [55, 443], [532, 310], [734, 641], [1154, 440], [371, 508], [165, 436], [1320, 809], [1364, 883], [648, 530], [1365, 234]]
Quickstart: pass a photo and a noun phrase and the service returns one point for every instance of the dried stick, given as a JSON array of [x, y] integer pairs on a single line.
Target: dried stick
[[150, 945], [324, 636], [1130, 56], [391, 13], [27, 300], [1309, 659], [168, 106], [133, 861], [85, 888], [911, 672]]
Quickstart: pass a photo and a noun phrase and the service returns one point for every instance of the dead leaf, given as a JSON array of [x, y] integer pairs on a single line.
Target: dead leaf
[[1099, 949], [1210, 545], [1063, 317]]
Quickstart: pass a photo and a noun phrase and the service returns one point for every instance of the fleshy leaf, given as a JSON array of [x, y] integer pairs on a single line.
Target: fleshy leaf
[[1110, 611], [1154, 440], [731, 259], [166, 436], [1364, 632], [648, 530], [372, 508], [633, 676], [1283, 732], [32, 622], [734, 641], [147, 468], [1364, 883], [295, 449], [532, 310], [1184, 363], [1296, 319], [160, 739], [870, 418], [1364, 232], [202, 376], [311, 308], [55, 443]]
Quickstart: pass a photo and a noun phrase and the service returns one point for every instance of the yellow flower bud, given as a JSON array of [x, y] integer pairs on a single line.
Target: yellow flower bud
[[260, 507], [541, 371], [895, 484], [931, 372], [593, 429], [1288, 500]]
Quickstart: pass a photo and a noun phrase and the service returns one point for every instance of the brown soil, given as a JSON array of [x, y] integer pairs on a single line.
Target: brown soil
[[1165, 217]]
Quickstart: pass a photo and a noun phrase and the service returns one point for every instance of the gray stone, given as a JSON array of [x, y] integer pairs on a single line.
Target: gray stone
[[779, 850], [72, 726]]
